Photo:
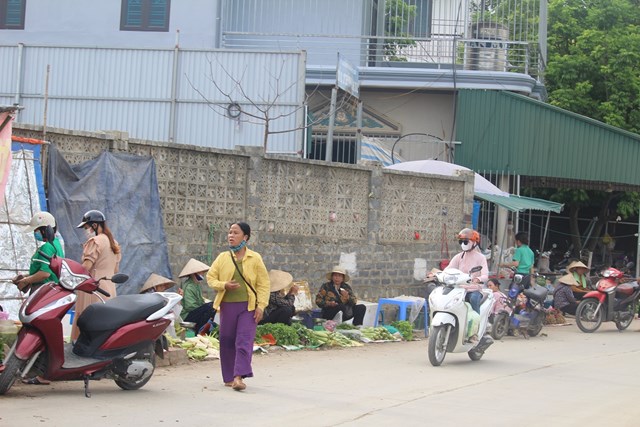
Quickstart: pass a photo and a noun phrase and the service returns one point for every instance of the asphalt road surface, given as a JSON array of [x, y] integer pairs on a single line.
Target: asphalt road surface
[[562, 378]]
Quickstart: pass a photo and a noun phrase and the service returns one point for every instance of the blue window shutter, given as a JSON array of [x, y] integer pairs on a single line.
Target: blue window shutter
[[158, 14], [14, 13]]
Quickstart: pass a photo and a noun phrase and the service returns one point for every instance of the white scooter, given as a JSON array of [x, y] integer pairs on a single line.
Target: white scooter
[[449, 330]]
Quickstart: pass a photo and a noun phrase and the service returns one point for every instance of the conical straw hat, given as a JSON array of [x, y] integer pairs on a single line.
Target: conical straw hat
[[279, 279], [576, 264], [568, 279], [194, 266], [155, 280]]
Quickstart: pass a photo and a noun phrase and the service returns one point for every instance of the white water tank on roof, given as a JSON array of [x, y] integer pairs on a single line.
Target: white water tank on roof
[[486, 48]]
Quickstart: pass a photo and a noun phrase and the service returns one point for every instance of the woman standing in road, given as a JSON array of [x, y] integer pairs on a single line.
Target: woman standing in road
[[241, 281], [100, 256]]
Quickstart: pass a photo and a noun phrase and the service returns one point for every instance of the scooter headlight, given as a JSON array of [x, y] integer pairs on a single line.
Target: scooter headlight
[[68, 279], [450, 279]]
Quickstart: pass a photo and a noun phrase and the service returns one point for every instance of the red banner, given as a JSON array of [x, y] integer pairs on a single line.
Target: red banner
[[5, 153]]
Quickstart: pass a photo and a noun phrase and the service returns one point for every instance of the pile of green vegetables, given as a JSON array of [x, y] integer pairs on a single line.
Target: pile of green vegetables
[[284, 334], [297, 335], [7, 339], [405, 328]]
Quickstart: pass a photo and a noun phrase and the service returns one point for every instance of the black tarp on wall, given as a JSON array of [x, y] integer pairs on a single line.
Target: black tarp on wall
[[125, 188]]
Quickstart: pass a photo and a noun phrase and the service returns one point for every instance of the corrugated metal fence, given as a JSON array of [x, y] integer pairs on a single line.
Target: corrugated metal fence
[[210, 98]]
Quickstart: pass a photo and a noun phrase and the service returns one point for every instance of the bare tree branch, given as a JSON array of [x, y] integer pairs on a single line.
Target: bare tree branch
[[265, 109]]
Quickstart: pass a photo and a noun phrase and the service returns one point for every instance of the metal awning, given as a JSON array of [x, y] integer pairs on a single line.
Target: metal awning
[[521, 203]]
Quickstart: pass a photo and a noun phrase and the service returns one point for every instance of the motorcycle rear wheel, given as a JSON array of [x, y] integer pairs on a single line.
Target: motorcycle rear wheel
[[500, 326], [475, 355], [587, 319], [630, 312], [128, 384], [12, 366], [535, 329], [536, 325], [437, 348]]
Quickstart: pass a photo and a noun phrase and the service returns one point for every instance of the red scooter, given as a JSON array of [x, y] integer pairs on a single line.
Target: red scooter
[[118, 339], [611, 301]]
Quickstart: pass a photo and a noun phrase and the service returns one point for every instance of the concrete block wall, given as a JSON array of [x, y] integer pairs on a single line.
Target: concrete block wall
[[386, 227]]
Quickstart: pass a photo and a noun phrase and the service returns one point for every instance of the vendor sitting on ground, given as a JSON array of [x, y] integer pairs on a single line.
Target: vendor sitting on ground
[[157, 283], [582, 284], [563, 295], [281, 300], [194, 307], [337, 296]]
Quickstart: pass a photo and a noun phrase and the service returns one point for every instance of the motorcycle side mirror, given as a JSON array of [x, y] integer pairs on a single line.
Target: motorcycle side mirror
[[119, 278], [476, 269]]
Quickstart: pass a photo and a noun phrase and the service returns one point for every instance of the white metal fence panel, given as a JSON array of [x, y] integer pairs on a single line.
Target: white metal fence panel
[[182, 96]]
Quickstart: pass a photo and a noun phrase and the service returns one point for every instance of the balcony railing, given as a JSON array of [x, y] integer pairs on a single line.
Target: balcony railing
[[440, 52], [488, 35]]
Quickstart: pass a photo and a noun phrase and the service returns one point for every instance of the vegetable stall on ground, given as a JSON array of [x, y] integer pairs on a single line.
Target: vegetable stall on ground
[[297, 337]]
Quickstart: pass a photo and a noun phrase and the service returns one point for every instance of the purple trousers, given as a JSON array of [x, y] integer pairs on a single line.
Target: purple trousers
[[237, 334]]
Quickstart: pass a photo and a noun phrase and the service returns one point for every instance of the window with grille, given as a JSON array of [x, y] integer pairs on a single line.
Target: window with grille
[[12, 14], [145, 15]]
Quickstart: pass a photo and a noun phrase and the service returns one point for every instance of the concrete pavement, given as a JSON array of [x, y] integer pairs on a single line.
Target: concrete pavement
[[562, 378]]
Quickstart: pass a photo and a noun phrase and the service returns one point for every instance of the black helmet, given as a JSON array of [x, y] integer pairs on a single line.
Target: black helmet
[[91, 217]]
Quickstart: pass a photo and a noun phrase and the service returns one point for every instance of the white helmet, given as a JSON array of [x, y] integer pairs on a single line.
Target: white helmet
[[41, 219]]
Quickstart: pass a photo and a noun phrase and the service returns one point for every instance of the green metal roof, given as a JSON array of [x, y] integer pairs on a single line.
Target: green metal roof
[[520, 203], [511, 133]]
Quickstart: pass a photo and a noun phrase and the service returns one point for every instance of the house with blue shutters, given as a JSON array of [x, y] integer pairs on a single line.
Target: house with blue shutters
[[412, 58]]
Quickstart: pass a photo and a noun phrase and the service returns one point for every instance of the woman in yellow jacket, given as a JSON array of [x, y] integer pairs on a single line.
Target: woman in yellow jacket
[[242, 286]]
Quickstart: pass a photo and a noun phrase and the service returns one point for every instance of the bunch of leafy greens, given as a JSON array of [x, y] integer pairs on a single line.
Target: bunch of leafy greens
[[284, 334], [405, 328]]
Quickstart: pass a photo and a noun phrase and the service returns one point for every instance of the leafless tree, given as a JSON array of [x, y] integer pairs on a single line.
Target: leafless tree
[[259, 110]]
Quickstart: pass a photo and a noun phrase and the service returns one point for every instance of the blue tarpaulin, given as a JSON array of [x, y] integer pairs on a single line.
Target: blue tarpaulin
[[125, 188]]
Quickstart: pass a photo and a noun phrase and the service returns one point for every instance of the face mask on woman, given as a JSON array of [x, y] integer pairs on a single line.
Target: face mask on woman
[[38, 236], [88, 233], [466, 246]]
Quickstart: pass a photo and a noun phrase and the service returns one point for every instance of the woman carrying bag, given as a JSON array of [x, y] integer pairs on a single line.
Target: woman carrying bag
[[241, 281]]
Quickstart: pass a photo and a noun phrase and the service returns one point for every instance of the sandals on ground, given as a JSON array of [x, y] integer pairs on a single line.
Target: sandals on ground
[[36, 381]]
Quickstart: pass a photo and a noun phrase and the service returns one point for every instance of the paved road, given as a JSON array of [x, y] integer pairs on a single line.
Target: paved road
[[563, 378]]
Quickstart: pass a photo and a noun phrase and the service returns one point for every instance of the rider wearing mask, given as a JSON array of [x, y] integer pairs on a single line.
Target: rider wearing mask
[[43, 226], [469, 258], [100, 256]]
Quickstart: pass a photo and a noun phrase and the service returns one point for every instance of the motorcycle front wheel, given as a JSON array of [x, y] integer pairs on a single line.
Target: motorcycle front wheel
[[625, 317], [588, 317], [437, 344], [500, 326], [12, 367]]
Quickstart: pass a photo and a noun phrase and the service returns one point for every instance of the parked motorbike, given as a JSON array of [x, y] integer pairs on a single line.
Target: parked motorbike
[[118, 340], [530, 319], [613, 300], [450, 316]]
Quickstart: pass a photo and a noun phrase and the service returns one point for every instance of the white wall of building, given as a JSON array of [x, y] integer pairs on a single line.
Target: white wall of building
[[97, 23]]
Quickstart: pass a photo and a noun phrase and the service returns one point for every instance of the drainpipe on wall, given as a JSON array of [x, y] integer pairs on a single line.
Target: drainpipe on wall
[[19, 76], [174, 85]]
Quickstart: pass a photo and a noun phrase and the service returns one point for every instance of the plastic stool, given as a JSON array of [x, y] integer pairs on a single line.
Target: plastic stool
[[403, 305]]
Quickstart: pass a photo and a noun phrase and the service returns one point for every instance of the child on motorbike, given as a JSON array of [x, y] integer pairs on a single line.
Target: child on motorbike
[[499, 297]]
